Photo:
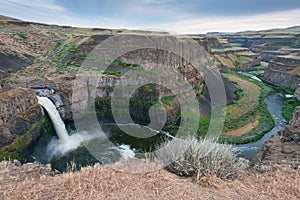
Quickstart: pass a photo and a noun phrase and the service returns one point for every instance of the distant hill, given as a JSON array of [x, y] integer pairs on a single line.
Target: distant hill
[[276, 31], [290, 30]]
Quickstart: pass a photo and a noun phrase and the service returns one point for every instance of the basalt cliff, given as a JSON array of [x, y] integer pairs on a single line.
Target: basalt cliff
[[277, 48], [283, 147], [283, 71]]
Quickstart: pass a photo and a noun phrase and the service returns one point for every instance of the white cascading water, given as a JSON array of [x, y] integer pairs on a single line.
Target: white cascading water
[[58, 123], [66, 142]]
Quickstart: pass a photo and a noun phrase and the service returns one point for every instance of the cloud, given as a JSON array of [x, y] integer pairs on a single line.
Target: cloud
[[238, 23], [51, 12], [190, 16], [43, 6]]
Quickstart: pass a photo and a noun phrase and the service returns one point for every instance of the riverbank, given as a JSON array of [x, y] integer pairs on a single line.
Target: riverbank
[[248, 119]]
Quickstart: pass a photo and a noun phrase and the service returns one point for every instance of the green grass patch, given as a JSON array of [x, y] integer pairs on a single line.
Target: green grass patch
[[204, 123], [289, 106], [22, 36], [112, 73], [240, 60], [288, 90], [259, 68]]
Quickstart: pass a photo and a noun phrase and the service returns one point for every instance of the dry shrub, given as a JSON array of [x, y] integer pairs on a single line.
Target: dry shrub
[[197, 158]]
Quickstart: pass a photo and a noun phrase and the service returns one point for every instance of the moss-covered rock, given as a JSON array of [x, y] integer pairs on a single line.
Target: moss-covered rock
[[19, 111], [20, 146]]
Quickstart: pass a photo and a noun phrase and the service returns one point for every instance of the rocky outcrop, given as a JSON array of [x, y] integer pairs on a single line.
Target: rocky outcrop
[[282, 71], [255, 40], [285, 146], [268, 56], [60, 83], [236, 59], [10, 63], [19, 111], [269, 44], [218, 43], [297, 93]]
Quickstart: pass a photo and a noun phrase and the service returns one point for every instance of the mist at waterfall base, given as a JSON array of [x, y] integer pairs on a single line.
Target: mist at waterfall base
[[68, 145]]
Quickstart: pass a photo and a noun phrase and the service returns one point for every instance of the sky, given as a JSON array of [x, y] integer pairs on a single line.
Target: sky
[[175, 16]]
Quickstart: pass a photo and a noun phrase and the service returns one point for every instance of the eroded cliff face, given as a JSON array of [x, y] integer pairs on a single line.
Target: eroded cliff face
[[164, 66], [177, 71], [297, 93], [268, 44], [236, 59], [285, 146], [258, 40], [126, 70], [19, 112], [282, 71], [62, 85]]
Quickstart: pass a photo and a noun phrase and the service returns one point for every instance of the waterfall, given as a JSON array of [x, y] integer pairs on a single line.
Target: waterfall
[[58, 123], [66, 143]]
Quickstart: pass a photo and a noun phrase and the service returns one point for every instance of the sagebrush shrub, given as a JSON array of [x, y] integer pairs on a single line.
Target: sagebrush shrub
[[197, 157]]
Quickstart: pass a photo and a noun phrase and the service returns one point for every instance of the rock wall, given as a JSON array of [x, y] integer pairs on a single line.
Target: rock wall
[[236, 59], [19, 111], [297, 93], [268, 45], [62, 84], [218, 43], [285, 146], [281, 72], [250, 41], [101, 86], [176, 70], [268, 56]]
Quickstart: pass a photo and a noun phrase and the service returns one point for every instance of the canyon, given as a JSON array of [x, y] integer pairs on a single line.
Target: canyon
[[55, 59]]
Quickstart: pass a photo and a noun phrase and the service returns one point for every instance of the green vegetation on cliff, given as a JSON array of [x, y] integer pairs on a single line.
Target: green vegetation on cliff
[[239, 60], [20, 146], [289, 106]]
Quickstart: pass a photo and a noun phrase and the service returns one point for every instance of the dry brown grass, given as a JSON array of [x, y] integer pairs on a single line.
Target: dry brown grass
[[103, 182], [243, 130], [225, 61], [249, 100]]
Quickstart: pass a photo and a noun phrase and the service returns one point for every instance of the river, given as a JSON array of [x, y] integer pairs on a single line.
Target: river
[[274, 104]]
